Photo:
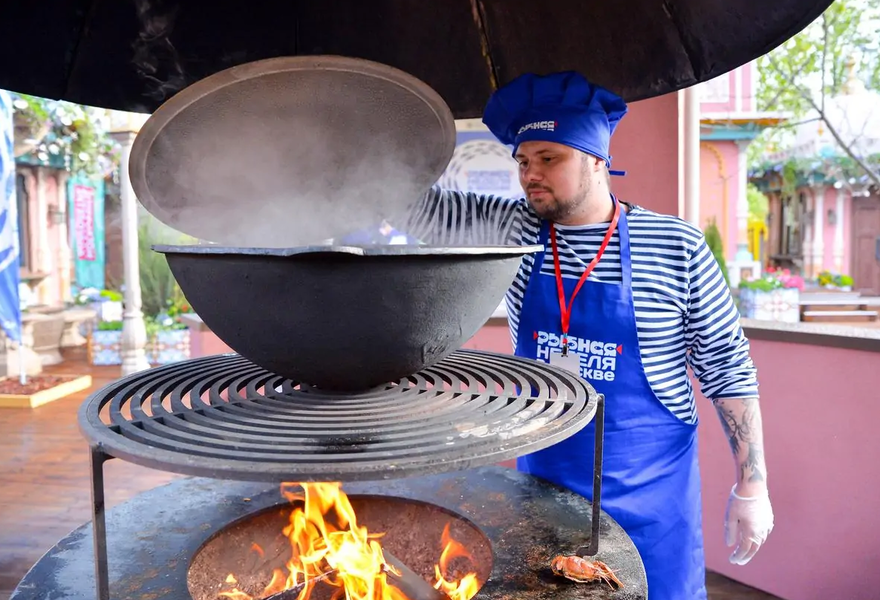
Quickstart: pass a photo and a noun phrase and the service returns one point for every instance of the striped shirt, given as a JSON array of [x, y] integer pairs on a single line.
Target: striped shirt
[[685, 314]]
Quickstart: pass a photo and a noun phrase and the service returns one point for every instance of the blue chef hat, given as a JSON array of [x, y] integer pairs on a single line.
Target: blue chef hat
[[563, 107]]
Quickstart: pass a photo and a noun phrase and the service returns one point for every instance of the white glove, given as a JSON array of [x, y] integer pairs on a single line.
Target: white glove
[[747, 523]]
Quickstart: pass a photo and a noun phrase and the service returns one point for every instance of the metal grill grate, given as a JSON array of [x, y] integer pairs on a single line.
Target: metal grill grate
[[224, 417]]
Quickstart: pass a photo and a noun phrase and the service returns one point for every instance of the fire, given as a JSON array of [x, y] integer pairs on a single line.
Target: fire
[[463, 589], [344, 554]]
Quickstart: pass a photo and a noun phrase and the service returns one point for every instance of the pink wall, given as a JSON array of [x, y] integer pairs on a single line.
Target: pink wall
[[645, 145], [820, 414], [719, 168], [741, 98], [493, 337], [723, 107]]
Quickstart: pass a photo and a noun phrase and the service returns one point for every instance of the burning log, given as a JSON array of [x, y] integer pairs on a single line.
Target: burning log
[[399, 575], [408, 581], [294, 592]]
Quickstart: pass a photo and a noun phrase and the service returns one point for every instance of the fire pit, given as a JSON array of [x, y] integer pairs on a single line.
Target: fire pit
[[157, 538], [252, 548], [224, 417]]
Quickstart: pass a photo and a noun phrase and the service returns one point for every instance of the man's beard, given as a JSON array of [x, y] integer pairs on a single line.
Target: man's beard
[[553, 208]]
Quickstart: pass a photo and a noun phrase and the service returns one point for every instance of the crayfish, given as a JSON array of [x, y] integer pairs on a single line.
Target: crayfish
[[584, 570]]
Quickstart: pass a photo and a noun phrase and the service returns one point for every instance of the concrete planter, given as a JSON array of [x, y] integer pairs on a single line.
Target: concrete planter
[[169, 347], [105, 347], [775, 305]]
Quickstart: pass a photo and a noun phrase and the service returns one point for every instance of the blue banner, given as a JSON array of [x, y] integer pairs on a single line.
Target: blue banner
[[10, 307], [86, 210]]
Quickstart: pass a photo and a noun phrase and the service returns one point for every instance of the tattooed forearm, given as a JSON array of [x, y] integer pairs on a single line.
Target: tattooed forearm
[[741, 421]]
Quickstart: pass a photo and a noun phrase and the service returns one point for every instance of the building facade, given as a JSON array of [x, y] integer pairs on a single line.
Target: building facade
[[824, 207]]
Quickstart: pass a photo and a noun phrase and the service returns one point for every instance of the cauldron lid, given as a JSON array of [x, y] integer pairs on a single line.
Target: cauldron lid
[[291, 151]]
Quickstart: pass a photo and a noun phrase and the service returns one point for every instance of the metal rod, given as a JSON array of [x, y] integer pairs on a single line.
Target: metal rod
[[409, 582], [597, 475], [99, 526]]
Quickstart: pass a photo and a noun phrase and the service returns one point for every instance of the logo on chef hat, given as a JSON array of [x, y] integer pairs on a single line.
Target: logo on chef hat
[[538, 126]]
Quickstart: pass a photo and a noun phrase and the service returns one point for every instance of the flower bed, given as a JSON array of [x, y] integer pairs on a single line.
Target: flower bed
[[40, 389], [773, 297]]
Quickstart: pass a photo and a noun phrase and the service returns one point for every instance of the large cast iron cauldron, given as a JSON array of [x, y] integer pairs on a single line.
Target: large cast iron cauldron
[[345, 318], [268, 159]]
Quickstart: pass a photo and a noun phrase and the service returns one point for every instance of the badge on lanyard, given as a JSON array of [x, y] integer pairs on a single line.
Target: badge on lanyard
[[571, 361]]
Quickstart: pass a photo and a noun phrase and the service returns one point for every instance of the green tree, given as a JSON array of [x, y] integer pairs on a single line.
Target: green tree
[[716, 245], [759, 206], [800, 74]]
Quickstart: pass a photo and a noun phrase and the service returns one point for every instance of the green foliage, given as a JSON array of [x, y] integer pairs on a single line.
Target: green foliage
[[67, 135], [825, 170], [829, 279], [160, 293], [814, 65], [111, 295], [761, 285], [759, 206], [846, 30], [716, 245], [774, 280]]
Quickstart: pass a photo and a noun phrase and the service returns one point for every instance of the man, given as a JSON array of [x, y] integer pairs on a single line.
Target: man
[[617, 276]]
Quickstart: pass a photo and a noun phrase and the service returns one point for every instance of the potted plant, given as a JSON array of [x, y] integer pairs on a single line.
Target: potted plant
[[169, 338], [773, 297], [834, 281]]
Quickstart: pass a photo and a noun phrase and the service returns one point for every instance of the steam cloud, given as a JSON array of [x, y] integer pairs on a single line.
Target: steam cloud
[[271, 163]]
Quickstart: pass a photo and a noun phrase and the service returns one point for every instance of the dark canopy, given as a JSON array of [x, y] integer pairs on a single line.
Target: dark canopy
[[133, 54]]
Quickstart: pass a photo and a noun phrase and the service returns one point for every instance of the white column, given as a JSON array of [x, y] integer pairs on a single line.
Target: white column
[[807, 244], [134, 333], [818, 229], [65, 263], [838, 231], [692, 155], [40, 218], [742, 204]]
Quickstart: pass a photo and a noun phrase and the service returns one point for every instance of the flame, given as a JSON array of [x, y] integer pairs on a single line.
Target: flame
[[467, 586], [344, 554]]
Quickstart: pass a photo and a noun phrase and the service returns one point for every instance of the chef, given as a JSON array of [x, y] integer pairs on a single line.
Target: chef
[[626, 298]]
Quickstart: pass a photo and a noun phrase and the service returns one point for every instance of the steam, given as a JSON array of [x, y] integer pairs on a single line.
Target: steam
[[269, 166], [155, 56], [277, 163]]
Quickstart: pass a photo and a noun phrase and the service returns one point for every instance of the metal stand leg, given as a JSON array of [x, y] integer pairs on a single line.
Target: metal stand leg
[[99, 527], [597, 475]]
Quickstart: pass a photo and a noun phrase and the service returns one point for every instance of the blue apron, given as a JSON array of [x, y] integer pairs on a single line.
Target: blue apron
[[650, 476]]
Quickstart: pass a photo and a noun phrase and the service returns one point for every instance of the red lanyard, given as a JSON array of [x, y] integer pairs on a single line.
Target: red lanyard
[[566, 311]]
